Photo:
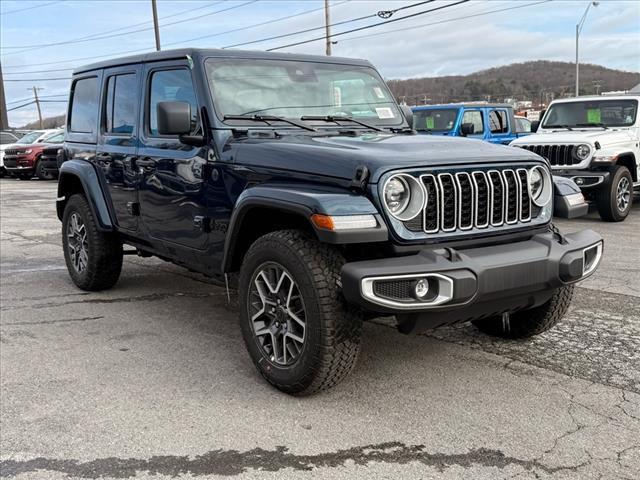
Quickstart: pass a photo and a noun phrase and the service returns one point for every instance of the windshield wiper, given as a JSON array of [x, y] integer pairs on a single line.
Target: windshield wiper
[[559, 126], [341, 118], [601, 125], [270, 118]]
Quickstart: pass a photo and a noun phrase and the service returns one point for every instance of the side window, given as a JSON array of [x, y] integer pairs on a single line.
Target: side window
[[475, 117], [171, 86], [498, 121], [84, 106], [120, 111], [6, 138]]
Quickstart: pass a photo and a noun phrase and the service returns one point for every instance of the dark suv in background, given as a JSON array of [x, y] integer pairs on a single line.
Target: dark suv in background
[[300, 180]]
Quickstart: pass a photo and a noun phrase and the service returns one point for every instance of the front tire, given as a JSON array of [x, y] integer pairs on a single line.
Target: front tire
[[528, 323], [299, 332], [93, 258], [616, 196], [41, 173]]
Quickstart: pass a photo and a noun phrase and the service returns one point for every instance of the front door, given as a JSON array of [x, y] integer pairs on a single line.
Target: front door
[[118, 142], [172, 189]]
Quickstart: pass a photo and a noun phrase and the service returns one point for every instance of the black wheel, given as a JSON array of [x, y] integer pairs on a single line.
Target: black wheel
[[3, 172], [24, 176], [528, 323], [93, 258], [616, 196], [300, 334], [41, 173]]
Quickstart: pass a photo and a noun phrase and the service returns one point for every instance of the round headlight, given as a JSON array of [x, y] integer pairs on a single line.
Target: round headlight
[[582, 152], [540, 186], [403, 197]]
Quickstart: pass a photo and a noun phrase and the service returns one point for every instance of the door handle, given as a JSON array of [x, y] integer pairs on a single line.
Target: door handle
[[145, 163]]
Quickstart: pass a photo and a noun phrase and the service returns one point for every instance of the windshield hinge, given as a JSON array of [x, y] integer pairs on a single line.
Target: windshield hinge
[[360, 178]]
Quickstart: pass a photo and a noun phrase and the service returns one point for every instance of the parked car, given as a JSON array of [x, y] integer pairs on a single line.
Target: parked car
[[491, 122], [594, 141], [6, 139], [303, 176], [22, 159], [523, 124], [49, 159]]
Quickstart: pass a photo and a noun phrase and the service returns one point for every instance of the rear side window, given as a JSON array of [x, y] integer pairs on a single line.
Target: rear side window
[[498, 121], [120, 111], [84, 106], [171, 86], [475, 117]]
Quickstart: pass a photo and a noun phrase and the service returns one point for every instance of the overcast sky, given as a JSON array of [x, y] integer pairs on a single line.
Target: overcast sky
[[442, 43]]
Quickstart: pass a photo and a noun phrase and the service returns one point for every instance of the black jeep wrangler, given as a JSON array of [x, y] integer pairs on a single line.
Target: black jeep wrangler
[[302, 175]]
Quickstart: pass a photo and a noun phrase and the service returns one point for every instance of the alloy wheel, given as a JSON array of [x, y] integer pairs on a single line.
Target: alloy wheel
[[623, 194], [77, 243], [277, 314]]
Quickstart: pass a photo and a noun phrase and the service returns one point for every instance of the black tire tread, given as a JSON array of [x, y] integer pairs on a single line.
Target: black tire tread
[[528, 323], [342, 326], [105, 256], [608, 212]]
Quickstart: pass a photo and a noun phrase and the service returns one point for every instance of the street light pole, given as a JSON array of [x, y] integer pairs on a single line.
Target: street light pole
[[579, 26]]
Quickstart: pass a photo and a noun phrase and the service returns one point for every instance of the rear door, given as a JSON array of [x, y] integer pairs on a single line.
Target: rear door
[[118, 142], [172, 188]]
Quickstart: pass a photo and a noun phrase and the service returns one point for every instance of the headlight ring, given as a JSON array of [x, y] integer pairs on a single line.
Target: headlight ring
[[403, 197], [582, 152], [540, 186]]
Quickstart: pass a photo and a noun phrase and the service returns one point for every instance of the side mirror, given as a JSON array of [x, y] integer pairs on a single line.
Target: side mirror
[[534, 126], [174, 118], [467, 129], [408, 114]]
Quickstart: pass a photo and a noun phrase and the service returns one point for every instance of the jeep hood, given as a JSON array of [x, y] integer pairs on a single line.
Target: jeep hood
[[339, 156], [574, 137]]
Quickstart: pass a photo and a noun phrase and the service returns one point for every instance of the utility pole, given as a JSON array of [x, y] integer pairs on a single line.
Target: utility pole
[[35, 94], [327, 23], [156, 28], [579, 26], [4, 121]]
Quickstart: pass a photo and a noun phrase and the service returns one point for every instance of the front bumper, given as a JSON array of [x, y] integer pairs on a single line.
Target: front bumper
[[472, 283], [18, 164]]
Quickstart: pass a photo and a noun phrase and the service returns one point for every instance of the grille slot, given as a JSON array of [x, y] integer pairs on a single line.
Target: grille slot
[[474, 200], [394, 289], [558, 155]]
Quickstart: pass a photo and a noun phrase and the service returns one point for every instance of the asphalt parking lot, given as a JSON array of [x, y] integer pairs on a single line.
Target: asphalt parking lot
[[151, 380]]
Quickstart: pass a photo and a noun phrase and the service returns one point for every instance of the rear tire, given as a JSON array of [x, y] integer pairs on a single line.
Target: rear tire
[[330, 331], [616, 196], [93, 258], [528, 323]]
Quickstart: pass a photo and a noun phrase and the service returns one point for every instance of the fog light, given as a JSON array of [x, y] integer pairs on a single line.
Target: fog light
[[591, 258], [421, 288], [579, 181]]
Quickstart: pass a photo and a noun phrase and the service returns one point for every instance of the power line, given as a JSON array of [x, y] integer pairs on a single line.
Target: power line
[[30, 8], [254, 25], [21, 106], [28, 48], [369, 26], [343, 22], [445, 21], [42, 96], [145, 29], [37, 79]]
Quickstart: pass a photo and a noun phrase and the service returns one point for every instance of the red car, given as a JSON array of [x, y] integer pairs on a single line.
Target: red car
[[22, 159]]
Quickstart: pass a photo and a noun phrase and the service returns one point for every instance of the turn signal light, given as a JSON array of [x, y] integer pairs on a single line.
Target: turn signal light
[[343, 222]]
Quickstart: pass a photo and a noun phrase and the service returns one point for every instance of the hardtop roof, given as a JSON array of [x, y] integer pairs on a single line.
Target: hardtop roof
[[213, 52], [463, 104]]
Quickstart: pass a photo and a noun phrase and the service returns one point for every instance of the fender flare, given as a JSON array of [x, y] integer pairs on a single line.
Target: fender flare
[[304, 202], [84, 172]]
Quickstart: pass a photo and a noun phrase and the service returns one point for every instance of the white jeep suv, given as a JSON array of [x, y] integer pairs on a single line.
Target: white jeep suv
[[595, 142]]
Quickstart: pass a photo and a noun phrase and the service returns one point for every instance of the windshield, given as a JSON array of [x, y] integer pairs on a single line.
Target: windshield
[[607, 113], [435, 120], [294, 89], [29, 138], [54, 138]]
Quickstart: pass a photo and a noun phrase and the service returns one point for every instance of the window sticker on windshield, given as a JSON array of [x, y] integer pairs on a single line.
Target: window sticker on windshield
[[593, 115], [378, 92], [384, 112], [337, 96], [431, 123]]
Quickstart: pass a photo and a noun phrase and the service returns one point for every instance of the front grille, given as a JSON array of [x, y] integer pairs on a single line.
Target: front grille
[[557, 155], [50, 154], [13, 151], [480, 199]]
